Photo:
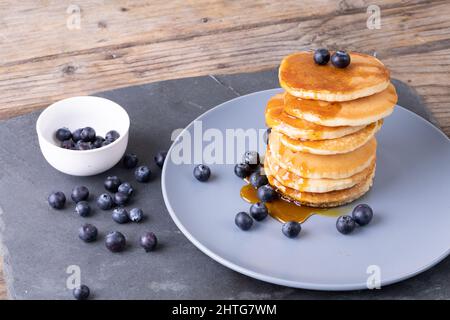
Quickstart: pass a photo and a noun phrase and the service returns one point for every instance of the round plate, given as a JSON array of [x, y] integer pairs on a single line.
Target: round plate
[[408, 234]]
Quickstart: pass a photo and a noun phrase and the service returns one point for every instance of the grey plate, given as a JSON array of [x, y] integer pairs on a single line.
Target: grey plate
[[409, 232]]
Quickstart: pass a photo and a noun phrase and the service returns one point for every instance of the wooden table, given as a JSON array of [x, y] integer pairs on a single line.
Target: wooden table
[[44, 56]]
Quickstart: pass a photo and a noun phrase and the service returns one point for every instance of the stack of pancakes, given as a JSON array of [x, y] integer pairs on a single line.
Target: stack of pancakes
[[322, 147]]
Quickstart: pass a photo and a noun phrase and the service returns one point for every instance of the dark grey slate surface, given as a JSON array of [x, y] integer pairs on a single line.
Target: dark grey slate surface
[[39, 243]]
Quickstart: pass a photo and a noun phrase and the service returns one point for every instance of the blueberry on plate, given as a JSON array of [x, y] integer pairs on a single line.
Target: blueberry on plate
[[136, 215], [81, 293], [243, 221], [105, 201], [130, 161], [202, 172], [63, 134], [68, 144], [80, 193], [291, 229], [242, 170], [76, 135], [87, 134], [142, 174], [126, 188], [115, 241], [258, 179], [56, 200], [120, 215], [82, 145], [340, 59], [121, 198], [251, 158], [98, 142], [112, 136], [267, 194], [321, 56], [82, 208], [362, 214], [160, 158], [148, 241], [88, 233], [112, 183], [345, 224], [259, 211]]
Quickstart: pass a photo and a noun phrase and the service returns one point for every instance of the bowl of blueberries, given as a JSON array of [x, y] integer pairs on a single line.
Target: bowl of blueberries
[[83, 136]]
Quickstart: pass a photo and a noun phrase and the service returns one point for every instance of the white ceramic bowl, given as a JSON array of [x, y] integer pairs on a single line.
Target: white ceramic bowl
[[78, 112]]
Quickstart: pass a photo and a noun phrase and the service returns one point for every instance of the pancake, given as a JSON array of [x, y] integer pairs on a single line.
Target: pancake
[[344, 144], [314, 166], [293, 181], [298, 128], [302, 77], [347, 113]]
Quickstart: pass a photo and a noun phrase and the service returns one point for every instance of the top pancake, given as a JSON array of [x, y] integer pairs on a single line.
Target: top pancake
[[303, 78]]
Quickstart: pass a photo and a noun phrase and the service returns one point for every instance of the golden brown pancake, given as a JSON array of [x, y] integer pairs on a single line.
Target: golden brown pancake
[[347, 113], [302, 77], [298, 128]]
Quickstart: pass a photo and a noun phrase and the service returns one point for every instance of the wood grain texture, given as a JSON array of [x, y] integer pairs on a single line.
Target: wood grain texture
[[123, 43]]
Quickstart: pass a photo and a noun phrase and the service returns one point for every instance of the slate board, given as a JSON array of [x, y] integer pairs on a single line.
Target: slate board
[[40, 243]]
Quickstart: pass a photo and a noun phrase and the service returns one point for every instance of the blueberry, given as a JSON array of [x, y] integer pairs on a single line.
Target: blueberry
[[112, 136], [257, 179], [345, 224], [76, 135], [112, 183], [321, 56], [115, 241], [83, 208], [98, 142], [80, 193], [105, 143], [130, 161], [243, 221], [136, 215], [251, 158], [202, 172], [266, 135], [126, 188], [88, 233], [121, 198], [160, 158], [148, 241], [105, 202], [63, 134], [87, 134], [81, 293], [68, 144], [362, 214], [259, 211], [291, 229], [142, 174], [120, 215], [242, 170], [267, 194], [340, 59], [56, 200], [82, 145]]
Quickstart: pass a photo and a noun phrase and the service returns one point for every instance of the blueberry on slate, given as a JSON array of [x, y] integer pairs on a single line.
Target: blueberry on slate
[[63, 134], [321, 56], [76, 135], [112, 136], [82, 145], [88, 233], [98, 142], [148, 241], [105, 202], [115, 241], [83, 208], [267, 194], [87, 134], [56, 200], [130, 160], [136, 215], [112, 183], [362, 214], [243, 221], [80, 193], [257, 179], [120, 215], [345, 224], [291, 229], [121, 198], [266, 135], [259, 211], [251, 158], [142, 174], [340, 59], [242, 170], [160, 158], [81, 293], [68, 144], [126, 188], [202, 172]]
